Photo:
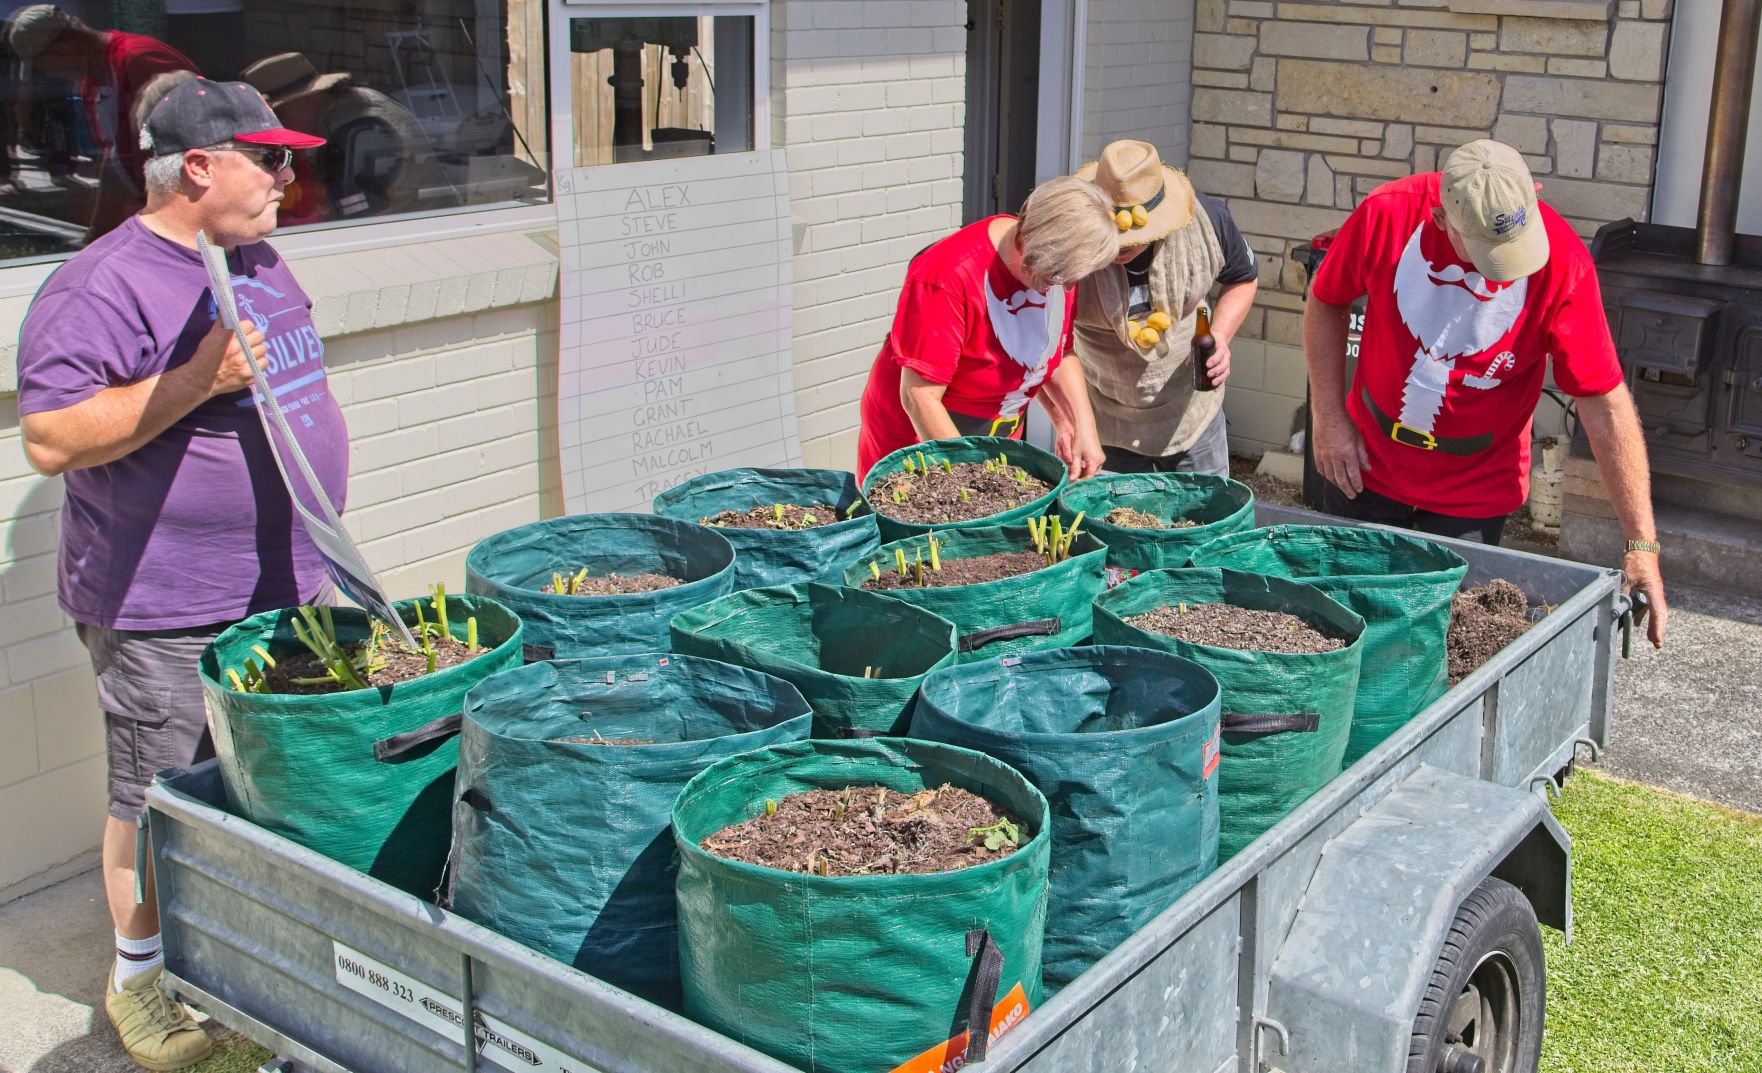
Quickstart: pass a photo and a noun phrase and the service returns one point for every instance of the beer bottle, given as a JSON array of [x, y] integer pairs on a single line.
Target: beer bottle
[[1204, 346]]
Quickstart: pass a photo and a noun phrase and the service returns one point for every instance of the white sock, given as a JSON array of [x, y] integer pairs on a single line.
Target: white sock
[[135, 956]]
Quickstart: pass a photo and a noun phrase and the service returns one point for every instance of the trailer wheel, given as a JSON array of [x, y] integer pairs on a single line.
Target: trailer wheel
[[1482, 1011]]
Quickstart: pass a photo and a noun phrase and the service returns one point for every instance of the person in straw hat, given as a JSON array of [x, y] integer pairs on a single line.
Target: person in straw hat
[[984, 324], [1135, 318], [1476, 290], [374, 148]]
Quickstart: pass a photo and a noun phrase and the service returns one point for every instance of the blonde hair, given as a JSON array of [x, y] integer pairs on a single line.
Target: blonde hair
[[1066, 230]]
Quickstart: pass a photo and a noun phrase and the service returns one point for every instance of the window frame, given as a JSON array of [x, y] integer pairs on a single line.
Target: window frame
[[374, 232], [559, 90]]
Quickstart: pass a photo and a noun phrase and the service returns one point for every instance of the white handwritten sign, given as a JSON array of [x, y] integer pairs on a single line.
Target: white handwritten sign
[[676, 356]]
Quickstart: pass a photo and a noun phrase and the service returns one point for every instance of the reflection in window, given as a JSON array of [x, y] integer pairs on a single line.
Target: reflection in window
[[427, 105], [648, 88]]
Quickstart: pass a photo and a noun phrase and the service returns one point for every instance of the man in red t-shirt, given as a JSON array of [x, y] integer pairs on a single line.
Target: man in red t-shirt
[[110, 68], [1473, 286]]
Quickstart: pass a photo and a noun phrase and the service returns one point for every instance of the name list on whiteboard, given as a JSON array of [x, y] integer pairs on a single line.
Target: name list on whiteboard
[[676, 357]]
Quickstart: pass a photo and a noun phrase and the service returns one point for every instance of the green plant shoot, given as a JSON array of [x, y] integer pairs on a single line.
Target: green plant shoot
[[807, 519], [935, 556], [875, 569], [947, 466], [850, 511], [899, 554], [770, 807], [998, 835], [471, 633], [777, 513]]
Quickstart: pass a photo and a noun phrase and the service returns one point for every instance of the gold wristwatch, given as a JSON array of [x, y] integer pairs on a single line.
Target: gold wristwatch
[[1645, 545]]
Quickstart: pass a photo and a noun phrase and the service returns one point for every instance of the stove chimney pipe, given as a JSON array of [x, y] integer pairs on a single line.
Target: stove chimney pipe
[[1734, 72]]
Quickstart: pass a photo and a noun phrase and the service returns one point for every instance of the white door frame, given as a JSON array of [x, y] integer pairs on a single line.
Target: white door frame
[[1064, 32]]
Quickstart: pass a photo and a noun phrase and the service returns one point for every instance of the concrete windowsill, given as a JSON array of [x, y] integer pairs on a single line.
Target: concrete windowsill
[[370, 290], [1582, 10]]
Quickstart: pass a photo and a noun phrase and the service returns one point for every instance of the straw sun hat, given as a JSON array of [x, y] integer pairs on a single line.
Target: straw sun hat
[[1150, 199]]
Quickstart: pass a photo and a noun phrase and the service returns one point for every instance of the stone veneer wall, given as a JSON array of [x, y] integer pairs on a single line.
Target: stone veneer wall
[[1302, 108]]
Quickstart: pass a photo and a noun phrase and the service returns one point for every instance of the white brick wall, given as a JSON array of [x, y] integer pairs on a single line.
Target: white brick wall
[[1137, 78], [870, 97], [446, 421]]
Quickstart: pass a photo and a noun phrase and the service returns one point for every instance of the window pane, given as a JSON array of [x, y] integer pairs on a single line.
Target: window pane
[[427, 105], [646, 88]]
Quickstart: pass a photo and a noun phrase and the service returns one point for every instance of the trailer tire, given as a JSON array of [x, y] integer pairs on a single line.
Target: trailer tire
[[1482, 1010]]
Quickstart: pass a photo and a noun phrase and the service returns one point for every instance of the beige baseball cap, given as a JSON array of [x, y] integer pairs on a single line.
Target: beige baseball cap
[[1490, 199]]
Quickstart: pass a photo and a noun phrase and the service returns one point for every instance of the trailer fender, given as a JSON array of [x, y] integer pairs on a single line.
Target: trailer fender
[[1346, 983]]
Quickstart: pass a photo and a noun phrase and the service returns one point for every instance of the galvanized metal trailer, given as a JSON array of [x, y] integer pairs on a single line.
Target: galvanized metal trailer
[[1309, 952]]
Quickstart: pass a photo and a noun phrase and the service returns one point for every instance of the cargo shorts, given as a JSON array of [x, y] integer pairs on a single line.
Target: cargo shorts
[[151, 697]]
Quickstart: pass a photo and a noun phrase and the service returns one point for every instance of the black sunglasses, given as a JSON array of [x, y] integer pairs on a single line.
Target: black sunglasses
[[272, 158]]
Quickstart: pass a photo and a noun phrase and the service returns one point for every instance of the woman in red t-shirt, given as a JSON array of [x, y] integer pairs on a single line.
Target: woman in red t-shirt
[[984, 324]]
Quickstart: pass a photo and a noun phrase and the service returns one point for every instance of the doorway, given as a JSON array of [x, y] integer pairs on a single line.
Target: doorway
[[1003, 105]]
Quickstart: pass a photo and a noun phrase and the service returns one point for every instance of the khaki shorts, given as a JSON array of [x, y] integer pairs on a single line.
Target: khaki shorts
[[151, 697]]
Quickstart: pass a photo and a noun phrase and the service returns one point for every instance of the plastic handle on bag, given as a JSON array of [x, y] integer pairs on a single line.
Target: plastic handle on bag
[[1271, 722], [1043, 627], [988, 969], [531, 653], [398, 744]]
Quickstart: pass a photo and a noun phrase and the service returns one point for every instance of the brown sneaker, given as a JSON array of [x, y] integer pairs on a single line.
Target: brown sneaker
[[156, 1032]]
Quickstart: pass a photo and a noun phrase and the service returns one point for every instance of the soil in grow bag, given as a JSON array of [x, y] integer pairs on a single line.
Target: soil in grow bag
[[871, 830], [1051, 546], [514, 566], [1484, 620], [932, 490], [1127, 518], [580, 584], [777, 516], [381, 660], [1244, 628]]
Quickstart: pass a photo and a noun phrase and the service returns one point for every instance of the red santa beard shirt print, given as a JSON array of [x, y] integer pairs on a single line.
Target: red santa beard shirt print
[[1454, 356], [963, 320]]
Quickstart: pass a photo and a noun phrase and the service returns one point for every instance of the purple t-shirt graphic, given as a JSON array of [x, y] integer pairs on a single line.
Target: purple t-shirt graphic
[[195, 527]]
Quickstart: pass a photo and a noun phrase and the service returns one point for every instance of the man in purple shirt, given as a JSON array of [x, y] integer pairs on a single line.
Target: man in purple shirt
[[176, 522]]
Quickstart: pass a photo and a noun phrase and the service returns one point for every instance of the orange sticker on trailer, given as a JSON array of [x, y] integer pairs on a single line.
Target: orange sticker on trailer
[[950, 1056]]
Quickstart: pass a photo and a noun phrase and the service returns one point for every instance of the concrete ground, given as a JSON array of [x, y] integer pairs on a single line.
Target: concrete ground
[[1685, 719]]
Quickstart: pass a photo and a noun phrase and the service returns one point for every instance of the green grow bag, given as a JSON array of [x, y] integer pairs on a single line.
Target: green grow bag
[[1220, 505], [821, 640], [365, 776], [852, 974], [1123, 742], [567, 846], [1038, 463], [512, 566], [1401, 586], [1286, 716], [1049, 608], [779, 556]]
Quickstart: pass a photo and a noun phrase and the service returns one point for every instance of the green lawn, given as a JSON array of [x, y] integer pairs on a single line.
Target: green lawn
[[1664, 974], [1665, 971]]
